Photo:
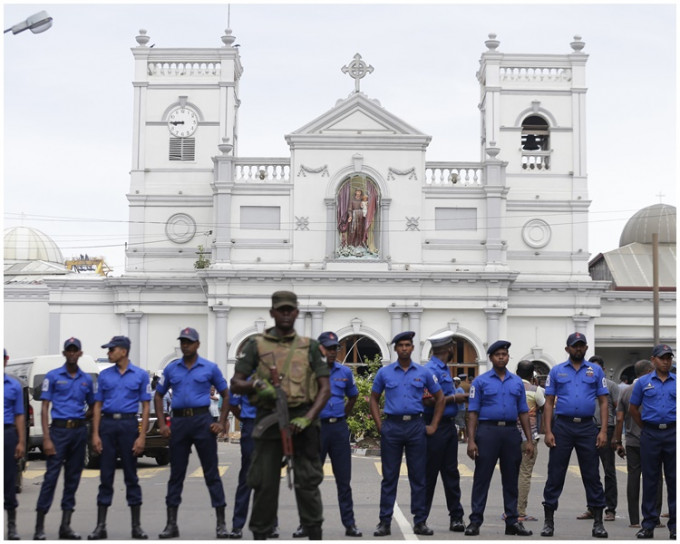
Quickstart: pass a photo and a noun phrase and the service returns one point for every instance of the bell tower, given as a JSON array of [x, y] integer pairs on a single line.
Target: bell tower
[[186, 104], [533, 111]]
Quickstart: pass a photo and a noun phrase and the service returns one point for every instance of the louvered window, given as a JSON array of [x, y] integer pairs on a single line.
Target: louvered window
[[182, 149]]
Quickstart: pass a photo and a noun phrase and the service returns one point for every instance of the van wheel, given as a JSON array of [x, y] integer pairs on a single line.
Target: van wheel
[[163, 458], [91, 458]]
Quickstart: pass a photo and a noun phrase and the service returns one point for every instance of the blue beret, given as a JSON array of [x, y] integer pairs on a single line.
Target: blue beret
[[407, 335], [499, 344]]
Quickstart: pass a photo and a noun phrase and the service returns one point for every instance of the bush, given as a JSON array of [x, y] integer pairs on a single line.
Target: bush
[[360, 422]]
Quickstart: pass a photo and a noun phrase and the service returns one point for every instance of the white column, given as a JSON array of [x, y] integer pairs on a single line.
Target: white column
[[331, 230], [220, 346], [493, 316], [134, 320], [414, 325], [396, 315], [385, 228], [317, 322]]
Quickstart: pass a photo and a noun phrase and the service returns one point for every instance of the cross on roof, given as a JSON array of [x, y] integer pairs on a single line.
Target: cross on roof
[[357, 69]]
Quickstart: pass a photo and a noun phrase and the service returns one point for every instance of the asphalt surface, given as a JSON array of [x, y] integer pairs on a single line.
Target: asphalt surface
[[197, 518]]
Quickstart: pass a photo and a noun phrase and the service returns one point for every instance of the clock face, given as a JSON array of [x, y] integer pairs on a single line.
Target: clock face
[[182, 122]]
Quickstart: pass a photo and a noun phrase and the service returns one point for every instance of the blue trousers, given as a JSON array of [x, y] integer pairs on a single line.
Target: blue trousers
[[581, 437], [442, 457], [118, 437], [243, 491], [657, 448], [70, 447], [335, 443], [502, 444], [10, 472], [188, 431], [397, 437]]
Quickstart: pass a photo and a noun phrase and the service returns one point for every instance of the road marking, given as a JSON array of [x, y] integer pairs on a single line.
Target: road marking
[[404, 525], [198, 473]]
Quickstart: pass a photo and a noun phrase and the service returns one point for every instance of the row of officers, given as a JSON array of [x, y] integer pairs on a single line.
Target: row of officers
[[418, 420]]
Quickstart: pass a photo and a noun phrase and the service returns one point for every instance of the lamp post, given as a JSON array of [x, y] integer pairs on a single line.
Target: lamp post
[[37, 23]]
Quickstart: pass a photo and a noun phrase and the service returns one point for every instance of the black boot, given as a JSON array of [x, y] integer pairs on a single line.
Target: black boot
[[549, 525], [65, 531], [40, 525], [221, 530], [314, 532], [259, 536], [12, 525], [137, 531], [99, 532], [598, 527], [171, 530]]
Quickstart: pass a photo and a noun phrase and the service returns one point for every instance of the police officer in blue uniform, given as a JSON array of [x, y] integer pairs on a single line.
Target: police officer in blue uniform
[[115, 432], [71, 393], [335, 431], [653, 407], [404, 429], [15, 440], [570, 392], [496, 400], [442, 446], [190, 379], [245, 412]]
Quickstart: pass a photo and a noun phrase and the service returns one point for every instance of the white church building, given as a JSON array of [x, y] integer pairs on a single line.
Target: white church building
[[374, 238]]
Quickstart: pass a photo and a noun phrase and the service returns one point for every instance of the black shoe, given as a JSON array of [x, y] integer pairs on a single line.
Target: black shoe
[[383, 529], [672, 534], [274, 533], [236, 533], [300, 532], [353, 531], [645, 533], [422, 529], [517, 529], [457, 525], [472, 530]]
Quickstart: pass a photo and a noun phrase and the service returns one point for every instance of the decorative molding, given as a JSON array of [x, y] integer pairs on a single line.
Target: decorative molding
[[323, 170], [301, 223], [411, 173], [536, 233], [412, 223], [180, 228]]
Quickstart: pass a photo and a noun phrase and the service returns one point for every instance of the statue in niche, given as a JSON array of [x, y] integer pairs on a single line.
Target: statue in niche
[[357, 210]]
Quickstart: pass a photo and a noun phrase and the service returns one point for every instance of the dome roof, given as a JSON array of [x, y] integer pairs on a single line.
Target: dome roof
[[657, 218], [28, 244]]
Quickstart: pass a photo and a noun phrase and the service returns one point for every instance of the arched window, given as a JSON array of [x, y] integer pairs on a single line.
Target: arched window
[[356, 350], [358, 219], [535, 143]]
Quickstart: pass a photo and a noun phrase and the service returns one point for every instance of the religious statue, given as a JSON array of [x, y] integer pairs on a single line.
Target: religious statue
[[356, 218]]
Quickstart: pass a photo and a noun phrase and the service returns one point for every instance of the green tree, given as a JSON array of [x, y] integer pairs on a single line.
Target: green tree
[[361, 424]]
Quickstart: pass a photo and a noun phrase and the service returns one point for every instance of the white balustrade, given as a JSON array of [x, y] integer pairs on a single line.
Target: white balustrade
[[261, 170], [538, 74], [187, 69], [453, 174]]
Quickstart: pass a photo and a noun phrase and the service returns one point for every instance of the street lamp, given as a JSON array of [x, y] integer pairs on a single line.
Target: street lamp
[[37, 23]]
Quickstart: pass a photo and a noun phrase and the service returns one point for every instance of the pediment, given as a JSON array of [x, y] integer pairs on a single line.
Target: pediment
[[354, 116]]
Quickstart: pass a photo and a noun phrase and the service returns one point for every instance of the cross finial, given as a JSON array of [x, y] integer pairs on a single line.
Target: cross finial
[[660, 195], [357, 69]]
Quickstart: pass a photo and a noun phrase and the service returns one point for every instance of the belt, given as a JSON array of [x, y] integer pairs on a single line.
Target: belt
[[10, 425], [189, 412], [404, 417], [450, 419], [660, 426], [570, 419], [499, 423], [120, 416], [332, 419], [68, 423]]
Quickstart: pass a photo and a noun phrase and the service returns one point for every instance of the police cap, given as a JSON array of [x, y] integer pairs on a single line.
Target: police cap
[[498, 344], [441, 339], [407, 335]]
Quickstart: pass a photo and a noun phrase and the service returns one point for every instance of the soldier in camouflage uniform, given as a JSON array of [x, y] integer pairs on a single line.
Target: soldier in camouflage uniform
[[304, 379]]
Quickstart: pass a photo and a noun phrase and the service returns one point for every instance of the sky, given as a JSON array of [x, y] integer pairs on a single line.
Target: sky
[[67, 108]]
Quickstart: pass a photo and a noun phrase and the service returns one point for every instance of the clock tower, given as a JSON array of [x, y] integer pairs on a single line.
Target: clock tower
[[185, 104]]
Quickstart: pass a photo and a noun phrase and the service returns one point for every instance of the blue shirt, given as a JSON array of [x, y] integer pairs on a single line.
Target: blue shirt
[[656, 398], [70, 396], [404, 389], [247, 410], [342, 385], [461, 405], [122, 393], [576, 390], [191, 386], [14, 399], [441, 371], [495, 399]]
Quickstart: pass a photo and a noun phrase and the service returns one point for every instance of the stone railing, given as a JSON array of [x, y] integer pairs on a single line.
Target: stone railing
[[261, 170], [521, 73], [453, 174], [182, 68], [536, 160]]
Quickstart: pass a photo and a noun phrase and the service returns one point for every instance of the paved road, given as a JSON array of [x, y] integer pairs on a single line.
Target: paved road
[[197, 519]]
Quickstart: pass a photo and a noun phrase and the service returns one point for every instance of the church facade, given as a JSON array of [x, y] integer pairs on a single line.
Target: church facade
[[374, 238]]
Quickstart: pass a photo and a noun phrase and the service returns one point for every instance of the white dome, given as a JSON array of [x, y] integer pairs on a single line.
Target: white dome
[[28, 244], [659, 218]]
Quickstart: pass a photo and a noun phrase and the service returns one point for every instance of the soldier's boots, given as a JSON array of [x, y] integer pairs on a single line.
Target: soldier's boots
[[549, 524], [99, 532], [65, 531], [171, 530], [221, 529], [314, 532], [12, 525], [598, 527], [40, 526], [136, 514]]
